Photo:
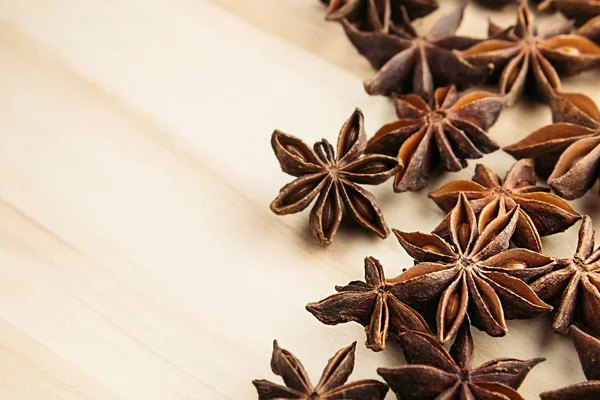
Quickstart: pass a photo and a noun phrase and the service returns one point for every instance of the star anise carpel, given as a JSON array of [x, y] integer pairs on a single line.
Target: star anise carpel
[[372, 304], [409, 63], [443, 133], [591, 29], [333, 178], [523, 58], [540, 213], [332, 384], [474, 274], [588, 350], [575, 284], [568, 149], [377, 15], [433, 373]]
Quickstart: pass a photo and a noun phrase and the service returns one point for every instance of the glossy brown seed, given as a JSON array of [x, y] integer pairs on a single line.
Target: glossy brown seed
[[332, 384], [472, 273], [332, 180], [519, 53], [372, 304], [409, 63], [423, 143], [540, 214], [433, 373]]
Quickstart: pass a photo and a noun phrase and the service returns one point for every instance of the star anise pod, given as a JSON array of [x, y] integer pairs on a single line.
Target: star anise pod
[[496, 3], [520, 54], [579, 11], [588, 349], [445, 133], [372, 304], [569, 148], [333, 178], [576, 282], [435, 373], [409, 63], [540, 213], [377, 15], [474, 274], [331, 386]]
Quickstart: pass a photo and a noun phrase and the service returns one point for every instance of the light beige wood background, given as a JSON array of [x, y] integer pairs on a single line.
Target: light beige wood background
[[138, 256]]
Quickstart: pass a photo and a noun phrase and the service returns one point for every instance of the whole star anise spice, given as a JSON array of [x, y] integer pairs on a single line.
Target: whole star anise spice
[[588, 349], [435, 373], [519, 55], [334, 179], [575, 282], [474, 274], [377, 15], [540, 213], [408, 63], [443, 134], [579, 11], [372, 304], [569, 148], [332, 384]]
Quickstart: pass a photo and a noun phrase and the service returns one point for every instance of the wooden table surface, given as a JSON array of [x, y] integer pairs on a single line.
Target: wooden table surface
[[138, 255]]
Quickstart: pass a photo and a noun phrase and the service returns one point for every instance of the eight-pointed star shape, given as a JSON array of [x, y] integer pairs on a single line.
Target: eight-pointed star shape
[[435, 374], [474, 274], [331, 386], [576, 282], [372, 304]]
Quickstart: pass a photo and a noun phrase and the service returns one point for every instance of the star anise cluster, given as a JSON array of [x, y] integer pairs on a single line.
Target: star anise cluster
[[522, 57], [569, 149]]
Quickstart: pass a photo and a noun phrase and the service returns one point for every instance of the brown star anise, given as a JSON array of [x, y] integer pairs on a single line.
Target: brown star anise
[[435, 374], [576, 282], [474, 274], [541, 213], [570, 147], [377, 15], [408, 63], [496, 3], [331, 386], [588, 349], [372, 304], [591, 29], [579, 11], [520, 51], [444, 134], [333, 178]]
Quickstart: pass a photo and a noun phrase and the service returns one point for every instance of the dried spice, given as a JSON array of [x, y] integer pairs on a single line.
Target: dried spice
[[569, 148], [408, 63], [377, 15], [372, 304], [580, 11], [445, 134], [333, 178], [591, 29], [474, 274], [332, 384], [576, 283], [540, 213], [588, 349], [435, 373], [497, 3], [519, 52]]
